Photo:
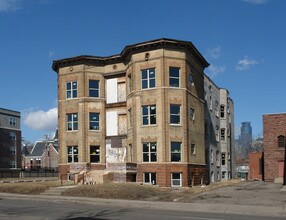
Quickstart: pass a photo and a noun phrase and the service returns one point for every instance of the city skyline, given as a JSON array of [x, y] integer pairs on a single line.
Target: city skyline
[[241, 39]]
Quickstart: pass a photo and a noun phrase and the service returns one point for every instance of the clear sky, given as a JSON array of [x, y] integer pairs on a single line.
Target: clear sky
[[243, 40]]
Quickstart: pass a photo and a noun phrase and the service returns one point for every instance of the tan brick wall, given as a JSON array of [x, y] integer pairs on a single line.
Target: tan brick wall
[[188, 96]]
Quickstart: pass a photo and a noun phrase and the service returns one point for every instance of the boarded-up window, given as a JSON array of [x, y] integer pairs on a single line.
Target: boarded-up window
[[111, 123], [121, 90], [122, 124], [111, 90]]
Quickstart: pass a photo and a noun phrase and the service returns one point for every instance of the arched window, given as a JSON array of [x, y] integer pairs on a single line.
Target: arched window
[[281, 141]]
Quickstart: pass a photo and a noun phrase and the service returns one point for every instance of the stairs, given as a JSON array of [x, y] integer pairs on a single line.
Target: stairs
[[56, 191]]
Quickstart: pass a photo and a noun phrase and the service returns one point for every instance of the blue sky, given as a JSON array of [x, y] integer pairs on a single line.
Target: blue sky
[[243, 40]]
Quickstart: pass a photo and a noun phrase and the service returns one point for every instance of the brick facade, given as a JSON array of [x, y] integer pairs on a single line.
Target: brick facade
[[121, 98], [256, 166], [274, 126]]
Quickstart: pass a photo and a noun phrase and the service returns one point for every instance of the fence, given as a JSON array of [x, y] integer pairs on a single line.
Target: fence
[[27, 174]]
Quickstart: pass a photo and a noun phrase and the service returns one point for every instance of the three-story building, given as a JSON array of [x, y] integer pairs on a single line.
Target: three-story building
[[135, 116]]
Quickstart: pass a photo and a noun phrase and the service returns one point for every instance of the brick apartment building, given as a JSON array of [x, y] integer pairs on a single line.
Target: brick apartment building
[[135, 116], [10, 139], [274, 126]]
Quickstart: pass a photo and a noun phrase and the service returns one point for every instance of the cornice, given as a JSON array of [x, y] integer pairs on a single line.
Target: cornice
[[126, 53]]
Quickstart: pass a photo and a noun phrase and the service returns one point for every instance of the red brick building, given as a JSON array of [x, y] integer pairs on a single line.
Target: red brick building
[[256, 164], [274, 126]]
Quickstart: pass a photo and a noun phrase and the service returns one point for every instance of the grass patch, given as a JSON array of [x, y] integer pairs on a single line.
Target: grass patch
[[131, 191], [33, 188]]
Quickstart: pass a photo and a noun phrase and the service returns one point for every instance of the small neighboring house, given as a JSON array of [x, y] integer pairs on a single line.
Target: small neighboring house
[[44, 156]]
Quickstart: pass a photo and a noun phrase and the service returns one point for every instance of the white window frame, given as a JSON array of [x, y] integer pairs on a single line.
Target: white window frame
[[94, 89], [150, 178], [175, 114], [174, 77], [97, 128], [149, 115], [71, 90], [72, 122], [12, 121], [149, 153], [94, 154], [175, 152], [72, 154], [148, 79], [172, 180], [13, 136]]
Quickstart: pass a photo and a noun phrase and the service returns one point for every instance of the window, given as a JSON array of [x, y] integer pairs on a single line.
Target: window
[[72, 122], [212, 157], [175, 117], [191, 79], [217, 133], [130, 117], [131, 152], [12, 150], [72, 154], [281, 141], [211, 103], [222, 158], [149, 114], [148, 78], [176, 151], [192, 114], [93, 88], [93, 121], [193, 149], [222, 134], [71, 88], [174, 76], [149, 152], [13, 164], [150, 178], [176, 179], [12, 135], [222, 109], [223, 174], [130, 82], [217, 159], [12, 121], [94, 154]]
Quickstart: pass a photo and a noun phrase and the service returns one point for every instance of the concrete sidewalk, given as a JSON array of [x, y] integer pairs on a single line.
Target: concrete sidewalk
[[274, 211]]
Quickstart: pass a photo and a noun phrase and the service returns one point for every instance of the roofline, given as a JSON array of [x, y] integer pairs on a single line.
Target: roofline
[[282, 113], [130, 49], [11, 111]]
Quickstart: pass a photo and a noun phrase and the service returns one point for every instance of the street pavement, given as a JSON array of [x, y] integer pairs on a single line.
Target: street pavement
[[203, 204]]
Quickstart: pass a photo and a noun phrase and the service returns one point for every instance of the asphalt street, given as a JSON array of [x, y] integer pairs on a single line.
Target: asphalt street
[[50, 210]]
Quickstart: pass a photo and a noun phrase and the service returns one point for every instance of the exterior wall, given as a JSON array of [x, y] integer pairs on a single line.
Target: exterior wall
[[274, 125], [227, 144], [212, 129], [10, 148], [256, 166], [122, 134], [50, 158]]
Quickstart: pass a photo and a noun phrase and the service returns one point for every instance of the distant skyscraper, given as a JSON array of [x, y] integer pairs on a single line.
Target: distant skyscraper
[[245, 136]]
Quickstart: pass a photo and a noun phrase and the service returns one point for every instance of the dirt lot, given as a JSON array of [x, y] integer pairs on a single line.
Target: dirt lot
[[230, 192], [250, 193], [33, 188]]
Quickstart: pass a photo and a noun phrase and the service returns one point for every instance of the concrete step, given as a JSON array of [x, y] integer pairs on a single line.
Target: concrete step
[[57, 191]]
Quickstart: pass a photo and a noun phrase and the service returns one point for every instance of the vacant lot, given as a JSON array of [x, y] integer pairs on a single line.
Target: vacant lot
[[135, 191], [131, 191], [33, 188]]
